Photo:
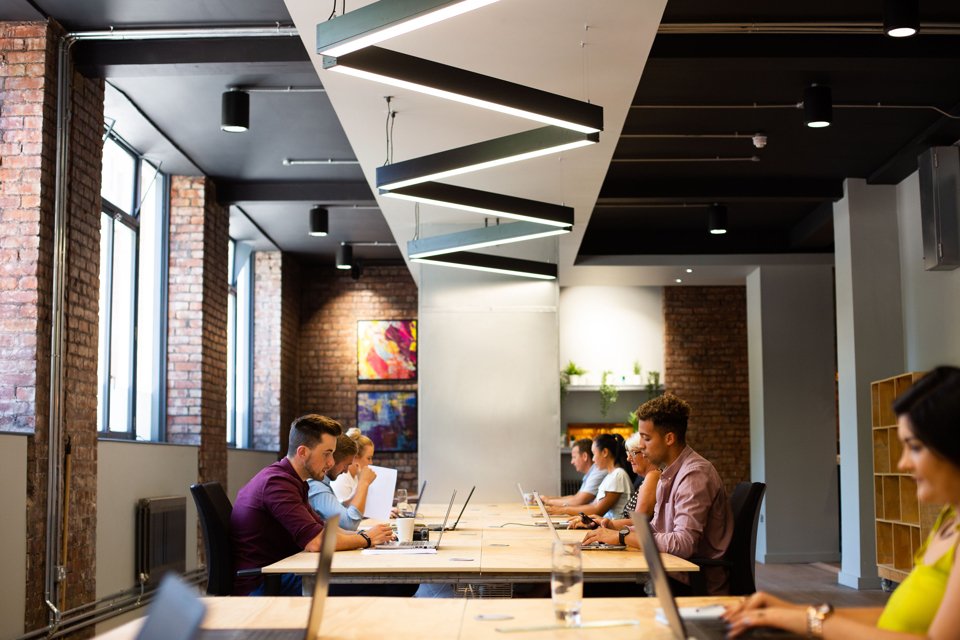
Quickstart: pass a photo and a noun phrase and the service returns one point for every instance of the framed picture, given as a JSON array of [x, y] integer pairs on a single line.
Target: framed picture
[[386, 350], [389, 418]]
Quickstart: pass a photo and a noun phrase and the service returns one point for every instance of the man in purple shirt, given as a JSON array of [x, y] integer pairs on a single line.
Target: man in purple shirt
[[692, 516], [272, 519]]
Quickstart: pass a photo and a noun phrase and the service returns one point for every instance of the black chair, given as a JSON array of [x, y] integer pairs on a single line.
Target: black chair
[[741, 554], [214, 509]]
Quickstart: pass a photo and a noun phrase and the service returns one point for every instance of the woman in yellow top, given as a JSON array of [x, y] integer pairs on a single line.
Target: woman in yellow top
[[927, 603]]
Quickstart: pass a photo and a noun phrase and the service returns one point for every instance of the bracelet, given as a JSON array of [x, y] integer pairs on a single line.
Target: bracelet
[[367, 538], [816, 615]]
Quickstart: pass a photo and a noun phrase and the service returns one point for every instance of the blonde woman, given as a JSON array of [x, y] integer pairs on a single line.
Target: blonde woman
[[345, 486]]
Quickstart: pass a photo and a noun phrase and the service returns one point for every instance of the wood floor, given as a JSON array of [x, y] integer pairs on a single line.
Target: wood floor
[[812, 583]]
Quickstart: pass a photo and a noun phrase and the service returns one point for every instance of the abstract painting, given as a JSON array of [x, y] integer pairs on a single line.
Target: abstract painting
[[386, 350], [389, 418]]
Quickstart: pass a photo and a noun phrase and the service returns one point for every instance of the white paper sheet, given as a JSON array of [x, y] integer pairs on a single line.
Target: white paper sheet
[[381, 551], [380, 494]]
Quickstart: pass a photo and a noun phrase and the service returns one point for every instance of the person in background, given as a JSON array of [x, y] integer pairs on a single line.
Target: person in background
[[610, 455], [320, 492], [927, 602], [581, 457], [271, 517], [692, 516], [345, 484]]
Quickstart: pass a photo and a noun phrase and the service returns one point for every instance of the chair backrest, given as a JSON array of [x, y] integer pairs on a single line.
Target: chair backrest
[[741, 554], [214, 509]]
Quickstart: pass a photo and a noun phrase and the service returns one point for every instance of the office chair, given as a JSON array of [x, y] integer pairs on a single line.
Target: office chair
[[740, 558], [214, 509]]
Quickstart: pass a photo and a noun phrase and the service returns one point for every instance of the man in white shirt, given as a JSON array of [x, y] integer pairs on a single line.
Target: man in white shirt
[[581, 457]]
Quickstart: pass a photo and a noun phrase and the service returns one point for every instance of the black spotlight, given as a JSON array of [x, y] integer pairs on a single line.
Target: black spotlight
[[717, 219], [345, 256], [235, 111], [817, 106], [901, 18], [319, 221]]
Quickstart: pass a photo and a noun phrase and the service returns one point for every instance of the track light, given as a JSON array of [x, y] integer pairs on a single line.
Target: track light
[[901, 18], [319, 222], [817, 106], [717, 219], [381, 21], [494, 264], [482, 155], [344, 256], [235, 111]]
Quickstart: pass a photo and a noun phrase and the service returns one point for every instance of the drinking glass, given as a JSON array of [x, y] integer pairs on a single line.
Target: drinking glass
[[402, 505], [566, 582]]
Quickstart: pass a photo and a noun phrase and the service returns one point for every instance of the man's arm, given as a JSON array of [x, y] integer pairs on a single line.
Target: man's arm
[[692, 497], [324, 502], [575, 500], [284, 502]]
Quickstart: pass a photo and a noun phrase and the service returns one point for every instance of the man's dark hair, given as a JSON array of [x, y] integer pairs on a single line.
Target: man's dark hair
[[933, 407], [584, 445], [307, 430], [668, 413], [346, 448]]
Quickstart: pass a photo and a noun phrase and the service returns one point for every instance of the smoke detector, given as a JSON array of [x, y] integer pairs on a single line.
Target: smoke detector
[[759, 140]]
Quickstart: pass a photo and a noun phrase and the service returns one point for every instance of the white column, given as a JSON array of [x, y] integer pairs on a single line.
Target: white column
[[869, 347]]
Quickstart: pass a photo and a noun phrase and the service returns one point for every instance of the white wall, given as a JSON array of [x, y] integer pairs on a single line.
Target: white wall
[[243, 464], [931, 299], [13, 533], [489, 393], [608, 328]]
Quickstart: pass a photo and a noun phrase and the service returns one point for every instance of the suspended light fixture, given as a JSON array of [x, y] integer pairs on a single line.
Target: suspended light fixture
[[717, 219], [443, 81], [485, 202], [344, 256], [494, 264], [235, 111], [319, 222], [383, 20], [482, 155], [901, 18], [817, 106], [479, 238]]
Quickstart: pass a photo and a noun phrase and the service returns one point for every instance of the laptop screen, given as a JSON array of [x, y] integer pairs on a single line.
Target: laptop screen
[[659, 575], [543, 510], [328, 545]]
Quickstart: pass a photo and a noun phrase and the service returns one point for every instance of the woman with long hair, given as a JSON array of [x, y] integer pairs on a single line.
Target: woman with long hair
[[609, 454]]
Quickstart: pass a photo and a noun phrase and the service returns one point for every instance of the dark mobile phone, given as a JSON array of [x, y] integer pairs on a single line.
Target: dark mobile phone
[[587, 520]]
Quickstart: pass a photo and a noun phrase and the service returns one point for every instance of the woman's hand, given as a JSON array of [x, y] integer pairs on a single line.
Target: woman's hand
[[759, 600], [606, 536], [577, 522], [764, 610]]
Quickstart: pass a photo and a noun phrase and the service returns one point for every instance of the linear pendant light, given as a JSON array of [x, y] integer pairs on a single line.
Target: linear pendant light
[[485, 202], [386, 19], [494, 264], [486, 92], [479, 238], [481, 155]]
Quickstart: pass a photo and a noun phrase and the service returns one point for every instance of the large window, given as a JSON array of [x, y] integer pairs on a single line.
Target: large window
[[132, 286], [239, 344]]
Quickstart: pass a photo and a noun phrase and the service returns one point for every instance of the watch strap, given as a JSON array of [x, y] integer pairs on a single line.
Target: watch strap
[[363, 534]]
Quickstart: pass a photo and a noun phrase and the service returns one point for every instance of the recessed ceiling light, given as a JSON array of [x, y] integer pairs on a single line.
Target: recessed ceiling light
[[689, 270], [678, 280]]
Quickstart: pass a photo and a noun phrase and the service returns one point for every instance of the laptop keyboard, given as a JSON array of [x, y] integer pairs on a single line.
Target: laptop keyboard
[[416, 544], [251, 634], [717, 630]]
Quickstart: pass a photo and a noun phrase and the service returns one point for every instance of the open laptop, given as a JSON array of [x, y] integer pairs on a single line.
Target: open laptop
[[599, 546], [453, 527], [422, 544], [176, 612], [702, 628], [558, 524]]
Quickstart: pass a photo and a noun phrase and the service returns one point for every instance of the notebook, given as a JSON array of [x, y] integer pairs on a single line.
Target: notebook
[[453, 527], [589, 547], [176, 612], [703, 627], [421, 544]]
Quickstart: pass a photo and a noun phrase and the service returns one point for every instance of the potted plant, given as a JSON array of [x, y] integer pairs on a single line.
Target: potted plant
[[633, 419], [608, 394], [570, 375], [637, 370], [653, 383]]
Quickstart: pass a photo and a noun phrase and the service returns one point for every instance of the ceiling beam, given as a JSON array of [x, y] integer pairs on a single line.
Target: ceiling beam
[[655, 242], [799, 47], [943, 132], [815, 230], [320, 192], [715, 189]]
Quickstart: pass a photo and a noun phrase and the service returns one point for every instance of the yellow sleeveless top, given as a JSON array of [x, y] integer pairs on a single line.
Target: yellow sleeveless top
[[913, 605]]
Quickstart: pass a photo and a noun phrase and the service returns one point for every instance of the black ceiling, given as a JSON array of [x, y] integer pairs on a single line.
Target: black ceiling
[[710, 64]]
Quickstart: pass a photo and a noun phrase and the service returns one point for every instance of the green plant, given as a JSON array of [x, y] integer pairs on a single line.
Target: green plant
[[637, 368], [608, 394], [633, 420], [653, 382], [570, 370]]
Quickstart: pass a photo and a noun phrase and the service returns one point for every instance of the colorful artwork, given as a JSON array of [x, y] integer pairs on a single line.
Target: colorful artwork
[[387, 350], [389, 418]]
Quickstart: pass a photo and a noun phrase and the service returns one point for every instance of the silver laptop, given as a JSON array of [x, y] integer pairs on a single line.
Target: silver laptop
[[700, 629], [422, 544], [176, 612], [599, 546], [559, 524], [453, 527]]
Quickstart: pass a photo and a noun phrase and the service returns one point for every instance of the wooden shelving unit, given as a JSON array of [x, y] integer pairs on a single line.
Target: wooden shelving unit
[[902, 523]]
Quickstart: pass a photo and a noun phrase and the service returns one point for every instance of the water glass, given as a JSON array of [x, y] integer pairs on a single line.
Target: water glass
[[566, 582], [402, 505]]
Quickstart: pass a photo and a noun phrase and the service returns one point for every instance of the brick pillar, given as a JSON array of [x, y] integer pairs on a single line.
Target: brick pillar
[[290, 406], [197, 332], [705, 363], [27, 177]]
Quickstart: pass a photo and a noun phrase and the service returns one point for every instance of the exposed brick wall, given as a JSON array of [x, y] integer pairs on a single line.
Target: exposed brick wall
[[331, 304], [289, 349], [705, 363], [197, 331], [27, 177], [267, 376]]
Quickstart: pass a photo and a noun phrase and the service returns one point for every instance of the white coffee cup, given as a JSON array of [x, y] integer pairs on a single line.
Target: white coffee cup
[[405, 529]]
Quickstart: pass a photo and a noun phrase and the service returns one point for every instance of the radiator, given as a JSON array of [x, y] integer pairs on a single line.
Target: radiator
[[161, 538]]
